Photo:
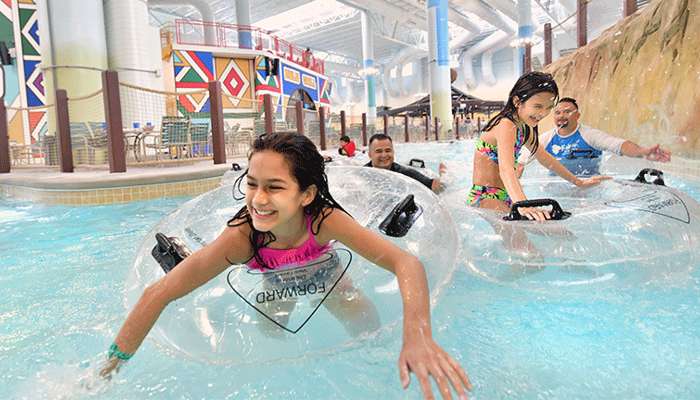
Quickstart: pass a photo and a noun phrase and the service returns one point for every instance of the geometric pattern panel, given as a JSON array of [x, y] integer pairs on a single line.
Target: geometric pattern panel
[[325, 91], [193, 71], [28, 51], [267, 82], [294, 78], [235, 82]]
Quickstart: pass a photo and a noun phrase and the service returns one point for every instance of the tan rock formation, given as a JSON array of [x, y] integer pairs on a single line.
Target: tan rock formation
[[640, 79]]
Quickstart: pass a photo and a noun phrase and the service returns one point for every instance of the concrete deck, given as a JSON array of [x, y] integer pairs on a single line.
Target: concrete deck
[[88, 185]]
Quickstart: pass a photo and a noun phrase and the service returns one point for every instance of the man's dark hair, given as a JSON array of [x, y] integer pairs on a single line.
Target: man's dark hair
[[569, 100], [345, 138], [379, 136]]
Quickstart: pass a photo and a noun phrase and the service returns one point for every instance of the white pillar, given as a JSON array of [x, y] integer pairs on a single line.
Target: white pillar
[[439, 61], [245, 38], [368, 65], [525, 31]]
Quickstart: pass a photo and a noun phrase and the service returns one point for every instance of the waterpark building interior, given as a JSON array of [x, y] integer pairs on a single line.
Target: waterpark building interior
[[120, 118]]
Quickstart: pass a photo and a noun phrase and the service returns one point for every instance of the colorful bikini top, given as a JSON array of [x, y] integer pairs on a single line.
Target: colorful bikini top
[[491, 150], [306, 252]]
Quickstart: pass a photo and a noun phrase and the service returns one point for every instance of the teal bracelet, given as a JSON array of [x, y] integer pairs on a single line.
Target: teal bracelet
[[115, 352]]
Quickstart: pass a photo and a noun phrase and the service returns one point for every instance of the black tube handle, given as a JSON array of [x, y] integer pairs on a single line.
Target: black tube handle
[[401, 218], [556, 214], [658, 180], [169, 251], [418, 162]]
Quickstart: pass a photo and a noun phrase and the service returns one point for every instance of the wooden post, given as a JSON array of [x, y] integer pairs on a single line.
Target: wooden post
[[406, 136], [457, 127], [65, 153], [300, 117], [5, 161], [113, 115], [385, 119], [322, 126], [217, 122], [527, 65], [547, 44], [437, 133], [581, 22], [364, 129], [269, 114], [629, 7], [342, 122], [427, 126]]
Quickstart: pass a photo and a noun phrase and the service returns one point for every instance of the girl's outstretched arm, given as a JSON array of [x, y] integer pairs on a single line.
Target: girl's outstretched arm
[[420, 354], [193, 272]]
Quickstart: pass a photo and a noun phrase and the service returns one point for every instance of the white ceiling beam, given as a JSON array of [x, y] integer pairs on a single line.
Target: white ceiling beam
[[507, 7]]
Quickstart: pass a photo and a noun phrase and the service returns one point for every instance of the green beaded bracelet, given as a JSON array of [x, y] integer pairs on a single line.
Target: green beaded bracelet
[[115, 352]]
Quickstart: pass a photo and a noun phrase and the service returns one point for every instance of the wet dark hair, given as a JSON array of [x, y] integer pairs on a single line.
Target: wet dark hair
[[307, 167], [568, 100], [379, 136], [526, 86], [345, 138]]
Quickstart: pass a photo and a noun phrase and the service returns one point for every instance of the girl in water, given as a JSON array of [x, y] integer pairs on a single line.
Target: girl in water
[[495, 182], [290, 216]]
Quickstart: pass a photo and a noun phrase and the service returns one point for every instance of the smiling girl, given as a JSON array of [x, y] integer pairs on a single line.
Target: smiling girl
[[290, 217], [495, 183]]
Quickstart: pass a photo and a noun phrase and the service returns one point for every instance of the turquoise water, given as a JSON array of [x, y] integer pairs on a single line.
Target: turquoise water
[[62, 302]]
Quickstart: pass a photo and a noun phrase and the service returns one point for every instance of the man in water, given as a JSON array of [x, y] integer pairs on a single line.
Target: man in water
[[381, 154], [579, 147]]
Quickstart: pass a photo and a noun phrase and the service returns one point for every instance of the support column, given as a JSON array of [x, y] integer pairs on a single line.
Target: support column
[[65, 152], [581, 23], [300, 117], [245, 37], [629, 7], [342, 122], [269, 114], [368, 65], [4, 139], [439, 60], [427, 127], [364, 130], [527, 67], [59, 23], [457, 128], [322, 127], [437, 125], [405, 129], [547, 44], [113, 113], [525, 32], [217, 122]]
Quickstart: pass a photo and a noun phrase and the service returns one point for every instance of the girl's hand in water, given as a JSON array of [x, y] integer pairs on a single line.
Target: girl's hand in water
[[424, 358], [109, 367], [592, 181], [534, 213]]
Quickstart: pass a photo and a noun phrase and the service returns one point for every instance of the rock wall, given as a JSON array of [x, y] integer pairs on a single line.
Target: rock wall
[[640, 79]]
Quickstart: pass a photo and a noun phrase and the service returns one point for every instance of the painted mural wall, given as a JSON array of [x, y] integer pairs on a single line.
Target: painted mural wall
[[24, 80], [194, 69], [242, 79], [641, 78]]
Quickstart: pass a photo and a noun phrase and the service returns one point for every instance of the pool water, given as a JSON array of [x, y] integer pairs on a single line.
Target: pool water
[[62, 302]]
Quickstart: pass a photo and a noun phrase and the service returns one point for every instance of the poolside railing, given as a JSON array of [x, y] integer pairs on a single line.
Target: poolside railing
[[122, 125]]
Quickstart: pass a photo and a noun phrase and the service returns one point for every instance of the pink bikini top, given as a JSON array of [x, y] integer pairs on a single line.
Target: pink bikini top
[[275, 258]]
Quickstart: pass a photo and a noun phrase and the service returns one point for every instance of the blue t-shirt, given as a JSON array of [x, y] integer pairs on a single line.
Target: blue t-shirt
[[575, 153]]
